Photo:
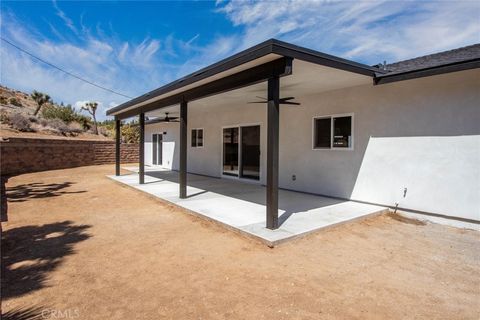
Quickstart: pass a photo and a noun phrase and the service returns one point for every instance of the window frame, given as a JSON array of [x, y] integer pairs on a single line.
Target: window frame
[[331, 117], [196, 138]]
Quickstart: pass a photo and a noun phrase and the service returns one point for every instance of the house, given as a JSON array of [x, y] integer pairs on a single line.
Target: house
[[404, 135]]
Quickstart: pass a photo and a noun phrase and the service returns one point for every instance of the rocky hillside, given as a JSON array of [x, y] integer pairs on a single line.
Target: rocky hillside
[[17, 119], [16, 101]]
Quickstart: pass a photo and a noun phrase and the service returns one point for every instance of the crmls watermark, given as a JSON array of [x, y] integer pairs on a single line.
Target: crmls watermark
[[60, 314]]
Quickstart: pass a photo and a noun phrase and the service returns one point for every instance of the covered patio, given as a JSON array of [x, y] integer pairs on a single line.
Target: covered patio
[[265, 68], [241, 206]]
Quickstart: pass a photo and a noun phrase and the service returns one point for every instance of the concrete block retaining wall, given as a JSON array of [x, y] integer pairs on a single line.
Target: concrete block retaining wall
[[22, 155]]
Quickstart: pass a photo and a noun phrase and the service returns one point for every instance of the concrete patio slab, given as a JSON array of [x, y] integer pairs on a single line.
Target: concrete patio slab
[[241, 206]]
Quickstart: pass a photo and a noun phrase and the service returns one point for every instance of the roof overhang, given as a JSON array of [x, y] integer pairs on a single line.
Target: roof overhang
[[245, 68], [427, 72]]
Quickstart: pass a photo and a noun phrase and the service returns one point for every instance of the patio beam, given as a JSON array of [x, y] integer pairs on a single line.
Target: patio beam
[[141, 150], [183, 149], [273, 119], [117, 146]]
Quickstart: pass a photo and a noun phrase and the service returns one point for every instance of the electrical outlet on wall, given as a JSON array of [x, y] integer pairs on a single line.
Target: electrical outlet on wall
[[294, 177]]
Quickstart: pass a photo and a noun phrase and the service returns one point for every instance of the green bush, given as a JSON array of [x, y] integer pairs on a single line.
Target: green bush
[[3, 100], [13, 101], [67, 114], [130, 133]]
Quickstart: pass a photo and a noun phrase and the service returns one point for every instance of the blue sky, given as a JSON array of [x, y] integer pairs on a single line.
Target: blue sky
[[134, 47]]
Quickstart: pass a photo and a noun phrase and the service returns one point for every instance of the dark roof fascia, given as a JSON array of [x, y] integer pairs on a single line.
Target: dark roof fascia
[[270, 46], [240, 58], [289, 50], [426, 72]]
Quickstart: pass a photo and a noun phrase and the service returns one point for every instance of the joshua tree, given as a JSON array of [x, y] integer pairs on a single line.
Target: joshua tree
[[40, 98], [91, 108]]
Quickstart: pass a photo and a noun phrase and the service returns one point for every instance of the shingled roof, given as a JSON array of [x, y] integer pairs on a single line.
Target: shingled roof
[[437, 59]]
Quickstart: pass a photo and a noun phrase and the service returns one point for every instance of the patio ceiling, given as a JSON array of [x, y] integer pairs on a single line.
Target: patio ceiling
[[247, 68], [307, 78]]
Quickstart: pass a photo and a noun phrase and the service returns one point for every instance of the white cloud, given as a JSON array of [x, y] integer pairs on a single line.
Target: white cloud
[[68, 22], [362, 30]]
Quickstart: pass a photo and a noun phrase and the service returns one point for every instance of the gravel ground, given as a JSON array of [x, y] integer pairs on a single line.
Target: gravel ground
[[79, 245]]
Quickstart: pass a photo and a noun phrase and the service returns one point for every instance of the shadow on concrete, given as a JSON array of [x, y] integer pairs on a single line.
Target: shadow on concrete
[[37, 190], [290, 202], [30, 253]]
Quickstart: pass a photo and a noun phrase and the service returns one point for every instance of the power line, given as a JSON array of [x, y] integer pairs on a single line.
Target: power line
[[67, 72]]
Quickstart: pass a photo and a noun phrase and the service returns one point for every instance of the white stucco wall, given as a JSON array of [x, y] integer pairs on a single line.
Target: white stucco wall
[[422, 134], [170, 142]]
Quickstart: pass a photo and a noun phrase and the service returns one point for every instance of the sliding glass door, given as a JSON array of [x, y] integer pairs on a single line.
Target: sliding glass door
[[157, 153], [230, 151], [250, 164], [242, 160]]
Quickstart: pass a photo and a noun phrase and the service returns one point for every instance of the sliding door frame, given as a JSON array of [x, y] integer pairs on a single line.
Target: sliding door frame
[[238, 177]]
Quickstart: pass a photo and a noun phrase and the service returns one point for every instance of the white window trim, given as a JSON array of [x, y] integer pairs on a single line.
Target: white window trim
[[332, 116], [203, 136]]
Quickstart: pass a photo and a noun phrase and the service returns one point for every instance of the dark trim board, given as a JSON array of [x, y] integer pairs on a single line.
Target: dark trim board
[[273, 144], [432, 71], [141, 150], [289, 50], [183, 149], [118, 132]]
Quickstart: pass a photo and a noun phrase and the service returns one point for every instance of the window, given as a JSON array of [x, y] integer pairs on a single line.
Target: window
[[333, 132], [197, 138]]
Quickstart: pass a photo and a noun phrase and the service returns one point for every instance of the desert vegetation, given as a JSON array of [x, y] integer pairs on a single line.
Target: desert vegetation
[[37, 112]]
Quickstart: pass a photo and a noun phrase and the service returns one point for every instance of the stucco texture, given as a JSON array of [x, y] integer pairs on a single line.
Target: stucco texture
[[421, 135]]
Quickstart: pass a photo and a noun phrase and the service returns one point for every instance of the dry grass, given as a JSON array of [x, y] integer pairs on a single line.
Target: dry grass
[[78, 242]]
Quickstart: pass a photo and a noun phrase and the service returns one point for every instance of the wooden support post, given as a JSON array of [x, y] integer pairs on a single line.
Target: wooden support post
[[117, 146], [141, 150], [273, 119], [183, 149]]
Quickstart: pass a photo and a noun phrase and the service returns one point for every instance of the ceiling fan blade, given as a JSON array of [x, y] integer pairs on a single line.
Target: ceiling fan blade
[[287, 98], [291, 103], [257, 102]]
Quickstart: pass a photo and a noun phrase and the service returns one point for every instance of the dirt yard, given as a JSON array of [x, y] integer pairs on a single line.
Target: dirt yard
[[79, 245]]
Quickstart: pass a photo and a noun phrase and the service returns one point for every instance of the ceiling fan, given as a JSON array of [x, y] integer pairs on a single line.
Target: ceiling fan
[[168, 119], [285, 100]]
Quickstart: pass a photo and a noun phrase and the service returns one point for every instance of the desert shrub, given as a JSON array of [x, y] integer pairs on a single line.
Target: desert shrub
[[43, 122], [3, 100], [4, 117], [130, 133], [58, 126], [33, 119], [75, 127], [13, 101], [67, 114], [104, 131], [85, 121], [20, 122]]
